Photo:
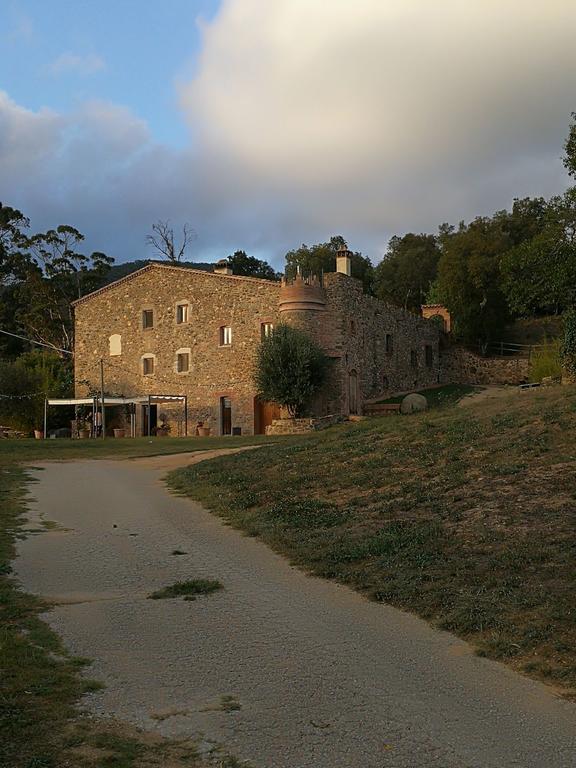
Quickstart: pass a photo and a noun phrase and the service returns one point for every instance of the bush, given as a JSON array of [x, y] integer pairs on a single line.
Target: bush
[[546, 361], [290, 369]]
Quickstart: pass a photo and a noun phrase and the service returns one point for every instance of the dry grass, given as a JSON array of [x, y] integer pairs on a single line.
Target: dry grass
[[463, 516]]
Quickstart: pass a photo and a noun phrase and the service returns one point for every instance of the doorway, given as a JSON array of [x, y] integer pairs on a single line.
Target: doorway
[[353, 392], [225, 416], [149, 421], [264, 414]]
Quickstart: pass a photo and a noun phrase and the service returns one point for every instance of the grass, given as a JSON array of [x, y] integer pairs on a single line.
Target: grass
[[189, 590], [41, 723], [546, 361], [438, 397], [466, 517]]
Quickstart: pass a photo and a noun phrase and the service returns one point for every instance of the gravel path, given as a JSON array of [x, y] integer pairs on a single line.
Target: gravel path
[[324, 678]]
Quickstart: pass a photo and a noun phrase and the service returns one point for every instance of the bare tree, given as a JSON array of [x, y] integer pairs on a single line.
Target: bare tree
[[162, 239]]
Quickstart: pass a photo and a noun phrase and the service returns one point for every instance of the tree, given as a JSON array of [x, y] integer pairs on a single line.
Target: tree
[[570, 148], [469, 279], [407, 271], [539, 274], [249, 266], [26, 382], [320, 258], [290, 369], [162, 240]]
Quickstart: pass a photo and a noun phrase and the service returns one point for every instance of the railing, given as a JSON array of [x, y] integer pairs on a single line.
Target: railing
[[506, 349]]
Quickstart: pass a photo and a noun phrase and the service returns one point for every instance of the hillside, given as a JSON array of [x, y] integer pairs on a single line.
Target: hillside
[[464, 515], [121, 270]]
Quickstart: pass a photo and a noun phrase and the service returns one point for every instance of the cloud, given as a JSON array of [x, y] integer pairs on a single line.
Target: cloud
[[80, 65], [309, 119]]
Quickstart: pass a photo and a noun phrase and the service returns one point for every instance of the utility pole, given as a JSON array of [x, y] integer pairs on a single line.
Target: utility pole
[[102, 397]]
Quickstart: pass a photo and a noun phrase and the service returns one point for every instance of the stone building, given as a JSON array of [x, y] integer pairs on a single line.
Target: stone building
[[168, 330]]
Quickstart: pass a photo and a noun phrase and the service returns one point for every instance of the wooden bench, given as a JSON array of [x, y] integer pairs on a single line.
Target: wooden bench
[[381, 409]]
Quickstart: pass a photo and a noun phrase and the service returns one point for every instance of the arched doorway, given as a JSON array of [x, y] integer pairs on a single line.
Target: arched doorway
[[353, 392]]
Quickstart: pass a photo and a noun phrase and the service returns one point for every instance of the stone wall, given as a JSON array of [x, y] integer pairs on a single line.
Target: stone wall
[[216, 371], [355, 332], [460, 366], [301, 426]]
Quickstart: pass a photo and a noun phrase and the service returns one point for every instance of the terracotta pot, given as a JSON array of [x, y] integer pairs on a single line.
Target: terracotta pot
[[119, 433], [203, 431], [39, 434], [83, 434]]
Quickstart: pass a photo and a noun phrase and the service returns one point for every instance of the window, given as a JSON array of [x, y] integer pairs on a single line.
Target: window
[[147, 318], [389, 344], [266, 330], [115, 342], [413, 358], [183, 362], [148, 365], [181, 313], [225, 336], [429, 356]]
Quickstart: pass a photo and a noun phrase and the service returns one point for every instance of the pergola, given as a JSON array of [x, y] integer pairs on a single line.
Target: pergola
[[98, 404]]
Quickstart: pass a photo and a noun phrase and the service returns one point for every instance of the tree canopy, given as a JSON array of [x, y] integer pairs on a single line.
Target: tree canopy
[[320, 258], [290, 369], [249, 266], [408, 269]]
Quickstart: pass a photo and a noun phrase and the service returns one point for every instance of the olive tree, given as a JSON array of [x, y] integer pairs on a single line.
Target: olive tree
[[290, 369]]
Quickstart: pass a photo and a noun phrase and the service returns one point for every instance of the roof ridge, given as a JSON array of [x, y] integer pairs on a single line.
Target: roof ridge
[[159, 265]]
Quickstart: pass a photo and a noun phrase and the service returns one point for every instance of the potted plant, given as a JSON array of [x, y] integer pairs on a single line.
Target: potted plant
[[163, 430], [201, 430], [83, 429], [39, 434], [119, 432]]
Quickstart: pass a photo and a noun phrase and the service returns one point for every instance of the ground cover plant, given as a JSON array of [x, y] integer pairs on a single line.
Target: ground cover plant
[[189, 590], [465, 516], [41, 723]]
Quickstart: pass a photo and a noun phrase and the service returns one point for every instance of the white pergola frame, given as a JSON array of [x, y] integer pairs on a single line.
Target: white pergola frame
[[98, 403]]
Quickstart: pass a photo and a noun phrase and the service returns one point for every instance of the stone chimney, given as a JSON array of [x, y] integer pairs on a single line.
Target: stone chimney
[[223, 268], [344, 261]]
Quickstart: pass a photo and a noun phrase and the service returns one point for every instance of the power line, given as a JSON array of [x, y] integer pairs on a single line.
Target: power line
[[38, 343]]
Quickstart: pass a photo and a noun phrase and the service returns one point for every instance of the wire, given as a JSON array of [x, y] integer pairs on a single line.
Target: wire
[[39, 343]]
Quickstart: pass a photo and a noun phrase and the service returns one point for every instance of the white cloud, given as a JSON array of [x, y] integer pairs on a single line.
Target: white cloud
[[365, 118], [67, 62]]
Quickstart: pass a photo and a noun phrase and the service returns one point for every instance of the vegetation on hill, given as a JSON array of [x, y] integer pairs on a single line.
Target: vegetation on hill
[[463, 515]]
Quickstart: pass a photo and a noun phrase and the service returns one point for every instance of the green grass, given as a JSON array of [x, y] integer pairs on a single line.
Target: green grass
[[439, 397], [466, 517], [546, 361], [189, 590]]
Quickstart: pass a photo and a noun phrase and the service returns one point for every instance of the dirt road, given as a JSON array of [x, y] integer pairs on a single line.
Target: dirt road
[[323, 678]]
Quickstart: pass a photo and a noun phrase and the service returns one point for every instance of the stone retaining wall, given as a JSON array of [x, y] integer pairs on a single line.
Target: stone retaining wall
[[301, 426], [460, 366]]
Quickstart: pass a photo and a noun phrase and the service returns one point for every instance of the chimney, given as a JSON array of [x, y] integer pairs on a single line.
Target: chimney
[[223, 268], [344, 261]]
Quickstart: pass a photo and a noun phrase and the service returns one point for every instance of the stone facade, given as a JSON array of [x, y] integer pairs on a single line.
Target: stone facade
[[460, 366], [375, 349]]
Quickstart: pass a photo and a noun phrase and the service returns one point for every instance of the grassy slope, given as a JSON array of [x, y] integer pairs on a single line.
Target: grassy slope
[[40, 683], [465, 516]]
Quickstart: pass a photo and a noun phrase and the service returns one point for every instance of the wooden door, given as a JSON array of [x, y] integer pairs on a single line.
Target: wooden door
[[264, 414], [226, 415], [353, 392]]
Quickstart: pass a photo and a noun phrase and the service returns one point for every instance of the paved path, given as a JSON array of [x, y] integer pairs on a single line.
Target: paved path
[[325, 679]]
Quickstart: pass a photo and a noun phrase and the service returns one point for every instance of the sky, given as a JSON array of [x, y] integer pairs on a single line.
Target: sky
[[268, 123]]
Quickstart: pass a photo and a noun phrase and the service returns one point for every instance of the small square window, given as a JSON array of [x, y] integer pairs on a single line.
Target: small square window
[[148, 318], [389, 344], [183, 362], [429, 356], [225, 336], [181, 313], [148, 366], [413, 358], [266, 330]]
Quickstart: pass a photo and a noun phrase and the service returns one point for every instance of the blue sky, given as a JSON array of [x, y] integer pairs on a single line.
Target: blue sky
[[130, 52], [268, 123]]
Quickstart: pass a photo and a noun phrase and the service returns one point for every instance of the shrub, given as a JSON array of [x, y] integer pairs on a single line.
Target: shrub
[[569, 346], [290, 369]]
